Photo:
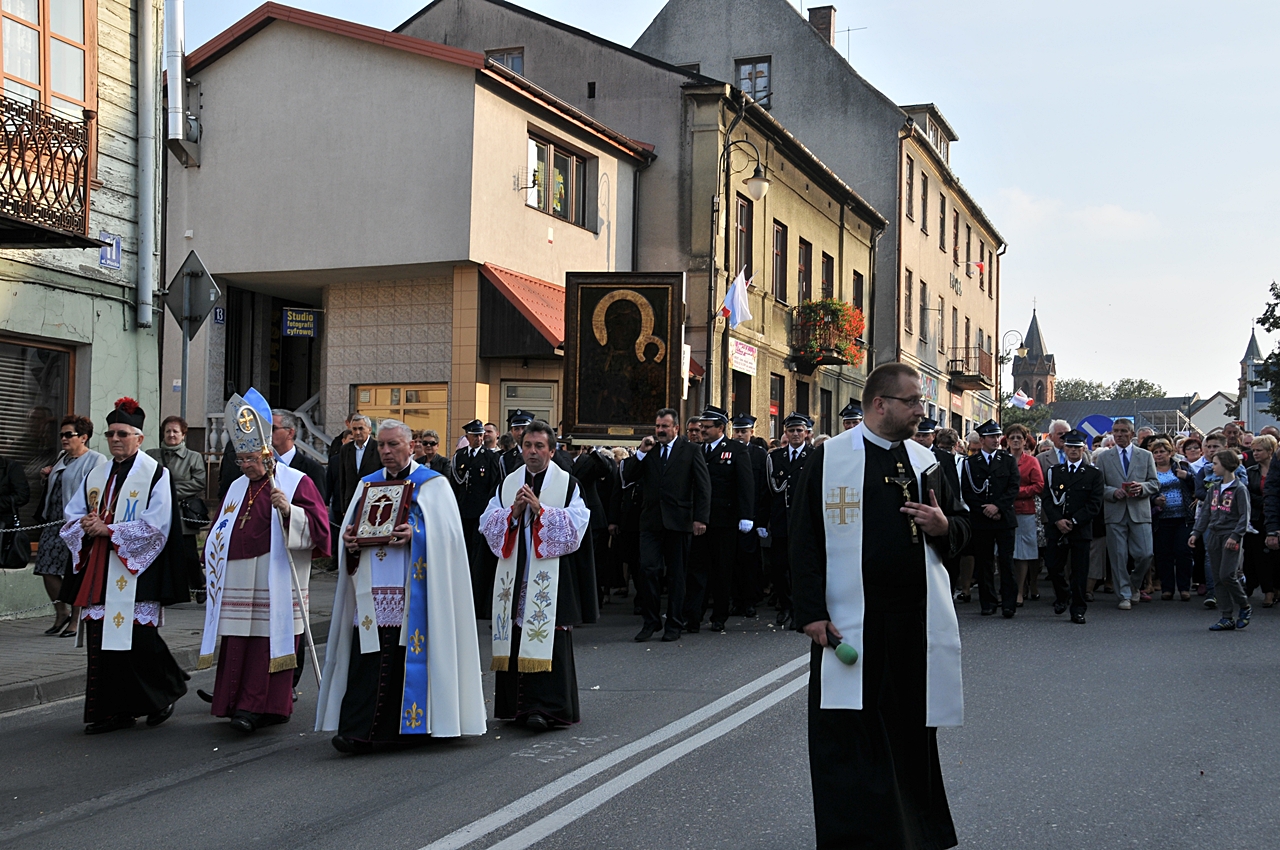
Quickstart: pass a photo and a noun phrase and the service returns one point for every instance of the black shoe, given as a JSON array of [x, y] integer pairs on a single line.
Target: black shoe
[[244, 721], [784, 617], [987, 611], [964, 597], [158, 717], [717, 627], [1077, 618], [57, 627], [201, 596], [537, 722], [271, 720], [1008, 612], [670, 635], [1059, 607], [645, 633], [750, 611], [204, 695], [1035, 597], [693, 629], [349, 746], [120, 721]]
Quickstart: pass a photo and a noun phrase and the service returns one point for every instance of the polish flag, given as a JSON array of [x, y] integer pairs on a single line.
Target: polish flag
[[1020, 399], [982, 267], [735, 301]]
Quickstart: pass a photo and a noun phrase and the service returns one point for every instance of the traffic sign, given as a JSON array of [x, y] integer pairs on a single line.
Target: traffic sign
[[1095, 426], [192, 294]]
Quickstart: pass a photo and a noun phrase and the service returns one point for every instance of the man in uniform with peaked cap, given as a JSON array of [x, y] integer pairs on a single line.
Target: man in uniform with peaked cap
[[732, 515], [475, 473], [989, 482], [125, 565], [784, 466], [748, 578], [851, 415], [272, 515], [1072, 501]]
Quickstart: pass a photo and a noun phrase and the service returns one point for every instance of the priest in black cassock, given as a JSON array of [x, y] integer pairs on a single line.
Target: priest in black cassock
[[545, 585], [866, 555], [125, 567]]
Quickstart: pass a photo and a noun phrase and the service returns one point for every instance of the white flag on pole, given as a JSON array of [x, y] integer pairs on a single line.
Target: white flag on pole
[[735, 301]]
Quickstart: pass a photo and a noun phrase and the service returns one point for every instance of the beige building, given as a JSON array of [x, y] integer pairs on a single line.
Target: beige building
[[413, 205], [949, 279], [808, 242]]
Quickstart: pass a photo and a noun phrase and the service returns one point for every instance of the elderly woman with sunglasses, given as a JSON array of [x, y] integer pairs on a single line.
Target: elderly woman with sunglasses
[[62, 481]]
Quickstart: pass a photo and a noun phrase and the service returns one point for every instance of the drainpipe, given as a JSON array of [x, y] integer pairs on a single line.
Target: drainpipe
[[175, 66], [635, 214], [147, 120]]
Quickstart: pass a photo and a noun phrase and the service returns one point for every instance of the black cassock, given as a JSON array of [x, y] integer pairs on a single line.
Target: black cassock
[[875, 772], [553, 694]]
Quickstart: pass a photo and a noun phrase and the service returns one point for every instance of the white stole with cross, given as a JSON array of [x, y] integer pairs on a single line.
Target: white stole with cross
[[843, 489], [122, 584], [539, 615]]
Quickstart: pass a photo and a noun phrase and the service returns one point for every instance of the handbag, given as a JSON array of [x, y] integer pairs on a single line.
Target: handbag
[[17, 548], [193, 509]]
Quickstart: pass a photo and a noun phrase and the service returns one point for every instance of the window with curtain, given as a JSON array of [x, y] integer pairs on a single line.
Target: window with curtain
[[46, 54]]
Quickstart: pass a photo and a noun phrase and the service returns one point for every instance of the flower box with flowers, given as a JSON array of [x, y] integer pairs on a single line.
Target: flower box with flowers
[[826, 332]]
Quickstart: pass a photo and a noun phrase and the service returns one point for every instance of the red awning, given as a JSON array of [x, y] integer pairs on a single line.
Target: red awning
[[539, 301], [695, 369]]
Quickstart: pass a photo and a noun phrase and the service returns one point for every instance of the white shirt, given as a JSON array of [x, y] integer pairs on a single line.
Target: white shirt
[[711, 447], [360, 453], [287, 458]]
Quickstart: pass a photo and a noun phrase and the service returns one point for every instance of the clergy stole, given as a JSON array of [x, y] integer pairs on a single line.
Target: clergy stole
[[279, 572], [539, 614], [843, 488], [133, 496]]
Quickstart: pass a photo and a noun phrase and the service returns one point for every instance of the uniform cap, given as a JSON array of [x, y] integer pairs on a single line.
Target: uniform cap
[[744, 420], [926, 426], [714, 414], [797, 419], [988, 429], [475, 426], [518, 418], [852, 410], [1074, 438]]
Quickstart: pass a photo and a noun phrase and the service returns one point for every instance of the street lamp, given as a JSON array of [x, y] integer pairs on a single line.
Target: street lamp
[[1005, 348], [757, 187]]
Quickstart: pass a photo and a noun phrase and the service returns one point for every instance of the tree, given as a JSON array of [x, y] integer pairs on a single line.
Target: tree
[[1135, 388], [1078, 389], [1268, 371]]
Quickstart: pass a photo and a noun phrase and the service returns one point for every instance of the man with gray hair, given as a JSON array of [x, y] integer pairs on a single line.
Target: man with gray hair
[[354, 461], [284, 432], [1057, 455]]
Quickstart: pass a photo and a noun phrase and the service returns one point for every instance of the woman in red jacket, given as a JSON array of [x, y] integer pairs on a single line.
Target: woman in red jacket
[[1026, 549]]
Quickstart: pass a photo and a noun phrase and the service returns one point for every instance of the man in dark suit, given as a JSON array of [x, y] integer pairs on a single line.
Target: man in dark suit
[[284, 432], [356, 459], [1072, 501], [595, 471], [785, 464], [676, 507], [476, 475], [990, 485], [748, 580], [732, 516], [943, 448]]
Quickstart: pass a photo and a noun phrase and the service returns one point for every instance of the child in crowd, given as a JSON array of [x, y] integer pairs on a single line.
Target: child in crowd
[[1222, 522]]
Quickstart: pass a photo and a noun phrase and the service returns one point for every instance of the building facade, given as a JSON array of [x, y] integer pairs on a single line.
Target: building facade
[[809, 238], [897, 158], [78, 192], [414, 215]]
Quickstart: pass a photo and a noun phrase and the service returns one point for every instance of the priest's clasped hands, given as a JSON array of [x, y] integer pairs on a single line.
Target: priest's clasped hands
[[525, 498], [94, 526]]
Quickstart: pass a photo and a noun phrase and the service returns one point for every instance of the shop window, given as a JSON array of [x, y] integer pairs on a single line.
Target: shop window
[[35, 393]]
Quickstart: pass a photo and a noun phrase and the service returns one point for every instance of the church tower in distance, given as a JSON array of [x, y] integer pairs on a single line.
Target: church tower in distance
[[1036, 373]]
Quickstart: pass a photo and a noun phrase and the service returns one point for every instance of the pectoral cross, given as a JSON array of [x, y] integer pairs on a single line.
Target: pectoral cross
[[905, 481]]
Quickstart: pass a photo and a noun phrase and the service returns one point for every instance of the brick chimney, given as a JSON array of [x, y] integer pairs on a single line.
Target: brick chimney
[[823, 19]]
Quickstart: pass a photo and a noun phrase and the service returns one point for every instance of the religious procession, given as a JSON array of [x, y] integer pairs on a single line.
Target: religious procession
[[477, 423]]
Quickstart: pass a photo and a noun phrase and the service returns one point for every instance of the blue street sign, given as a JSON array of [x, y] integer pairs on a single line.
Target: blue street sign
[[1095, 426]]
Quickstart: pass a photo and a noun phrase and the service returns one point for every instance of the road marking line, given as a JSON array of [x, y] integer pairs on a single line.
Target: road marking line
[[478, 829], [592, 800]]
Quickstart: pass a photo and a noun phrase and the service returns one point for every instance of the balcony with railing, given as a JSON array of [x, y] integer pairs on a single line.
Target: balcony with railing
[[971, 369], [44, 177], [826, 333]]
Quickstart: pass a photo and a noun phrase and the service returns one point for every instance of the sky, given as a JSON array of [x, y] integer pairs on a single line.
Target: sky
[[1123, 150]]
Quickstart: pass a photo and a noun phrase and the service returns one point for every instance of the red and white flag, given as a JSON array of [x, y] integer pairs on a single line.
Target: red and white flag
[[735, 301], [982, 267], [1020, 399]]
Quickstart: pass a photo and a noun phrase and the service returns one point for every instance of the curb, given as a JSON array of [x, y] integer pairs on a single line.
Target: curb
[[66, 685]]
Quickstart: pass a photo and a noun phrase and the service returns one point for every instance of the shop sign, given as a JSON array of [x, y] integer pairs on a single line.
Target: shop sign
[[742, 357], [298, 322]]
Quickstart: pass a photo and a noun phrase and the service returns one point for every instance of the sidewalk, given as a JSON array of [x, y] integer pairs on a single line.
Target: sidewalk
[[36, 669]]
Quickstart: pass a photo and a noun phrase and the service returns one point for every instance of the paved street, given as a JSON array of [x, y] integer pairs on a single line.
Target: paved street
[[1140, 729]]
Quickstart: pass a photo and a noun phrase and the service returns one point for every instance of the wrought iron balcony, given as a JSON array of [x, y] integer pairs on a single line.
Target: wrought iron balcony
[[826, 333], [971, 369], [44, 177]]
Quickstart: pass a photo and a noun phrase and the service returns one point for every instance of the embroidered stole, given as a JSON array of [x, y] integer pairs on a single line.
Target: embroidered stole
[[413, 698], [279, 574], [133, 496], [843, 473], [539, 613]]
